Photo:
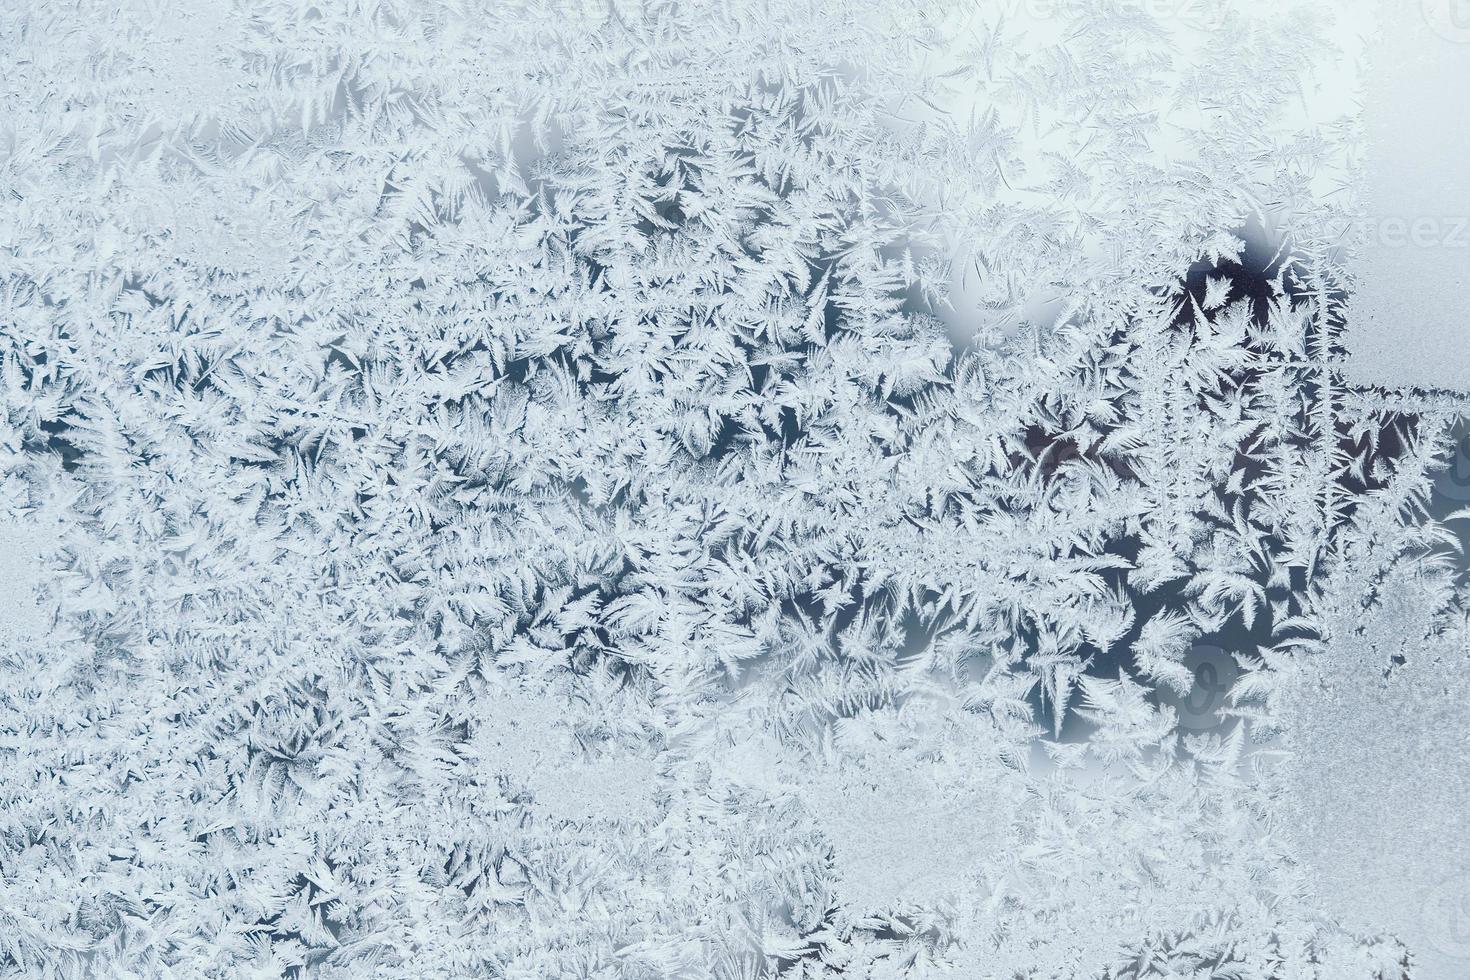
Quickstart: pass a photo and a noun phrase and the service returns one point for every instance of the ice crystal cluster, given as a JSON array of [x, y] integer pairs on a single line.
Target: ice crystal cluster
[[633, 489]]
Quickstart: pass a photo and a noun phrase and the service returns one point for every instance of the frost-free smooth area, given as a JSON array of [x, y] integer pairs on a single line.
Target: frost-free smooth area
[[1409, 323]]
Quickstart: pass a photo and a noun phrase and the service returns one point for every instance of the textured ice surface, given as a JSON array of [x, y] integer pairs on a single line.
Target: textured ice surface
[[799, 490], [21, 617]]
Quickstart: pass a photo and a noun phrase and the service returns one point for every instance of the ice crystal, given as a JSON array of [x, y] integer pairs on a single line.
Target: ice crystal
[[647, 489]]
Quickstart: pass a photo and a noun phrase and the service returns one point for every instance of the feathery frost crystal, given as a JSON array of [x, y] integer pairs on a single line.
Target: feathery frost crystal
[[807, 489]]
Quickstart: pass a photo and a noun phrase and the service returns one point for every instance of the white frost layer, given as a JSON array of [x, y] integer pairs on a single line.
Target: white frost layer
[[20, 572]]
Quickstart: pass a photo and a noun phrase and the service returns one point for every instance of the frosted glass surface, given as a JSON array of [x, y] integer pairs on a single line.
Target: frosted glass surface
[[736, 489]]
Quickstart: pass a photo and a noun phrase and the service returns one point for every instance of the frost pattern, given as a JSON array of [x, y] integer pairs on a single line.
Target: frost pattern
[[646, 489], [21, 617]]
